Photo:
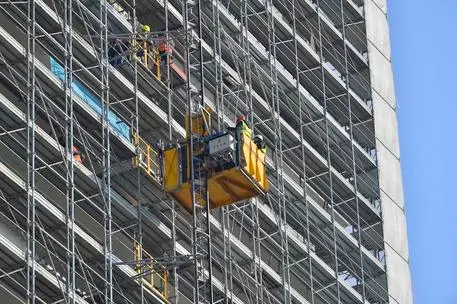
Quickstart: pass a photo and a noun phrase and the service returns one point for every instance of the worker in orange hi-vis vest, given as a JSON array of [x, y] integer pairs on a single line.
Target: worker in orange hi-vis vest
[[77, 155]]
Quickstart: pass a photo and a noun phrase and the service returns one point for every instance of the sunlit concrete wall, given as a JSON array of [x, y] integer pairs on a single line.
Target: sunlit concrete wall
[[388, 153]]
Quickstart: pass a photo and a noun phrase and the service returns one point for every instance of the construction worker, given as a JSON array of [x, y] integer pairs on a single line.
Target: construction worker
[[243, 127], [258, 140], [145, 28], [117, 52], [164, 49], [144, 44], [77, 155]]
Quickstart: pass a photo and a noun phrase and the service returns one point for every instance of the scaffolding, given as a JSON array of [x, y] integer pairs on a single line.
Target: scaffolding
[[88, 101]]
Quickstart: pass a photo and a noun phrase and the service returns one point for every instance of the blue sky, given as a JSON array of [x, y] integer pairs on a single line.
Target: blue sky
[[424, 54]]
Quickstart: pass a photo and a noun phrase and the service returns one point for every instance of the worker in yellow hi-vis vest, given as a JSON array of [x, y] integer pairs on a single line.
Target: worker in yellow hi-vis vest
[[243, 127], [144, 45]]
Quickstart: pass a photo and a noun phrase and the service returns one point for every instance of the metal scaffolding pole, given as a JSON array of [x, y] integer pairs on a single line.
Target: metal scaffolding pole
[[69, 151], [31, 153], [105, 98]]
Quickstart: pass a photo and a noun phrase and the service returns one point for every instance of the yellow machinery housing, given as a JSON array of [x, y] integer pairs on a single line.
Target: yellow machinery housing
[[245, 179]]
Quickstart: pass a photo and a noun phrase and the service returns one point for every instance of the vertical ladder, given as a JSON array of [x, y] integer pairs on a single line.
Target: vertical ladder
[[201, 232]]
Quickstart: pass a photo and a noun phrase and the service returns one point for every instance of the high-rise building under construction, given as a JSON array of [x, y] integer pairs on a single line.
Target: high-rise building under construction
[[199, 151]]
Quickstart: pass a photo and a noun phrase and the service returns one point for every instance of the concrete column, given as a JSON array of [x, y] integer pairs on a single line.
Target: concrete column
[[388, 153]]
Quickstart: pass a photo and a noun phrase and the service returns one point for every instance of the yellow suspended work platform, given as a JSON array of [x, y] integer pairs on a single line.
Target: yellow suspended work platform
[[234, 166]]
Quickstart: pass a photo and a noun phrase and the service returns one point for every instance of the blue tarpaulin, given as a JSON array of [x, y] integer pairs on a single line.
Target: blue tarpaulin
[[93, 101]]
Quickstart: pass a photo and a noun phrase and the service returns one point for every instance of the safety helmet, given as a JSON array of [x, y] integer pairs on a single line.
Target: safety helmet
[[241, 118], [258, 138], [145, 29]]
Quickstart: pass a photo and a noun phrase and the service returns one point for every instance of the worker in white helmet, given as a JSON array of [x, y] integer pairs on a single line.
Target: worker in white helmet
[[260, 143]]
